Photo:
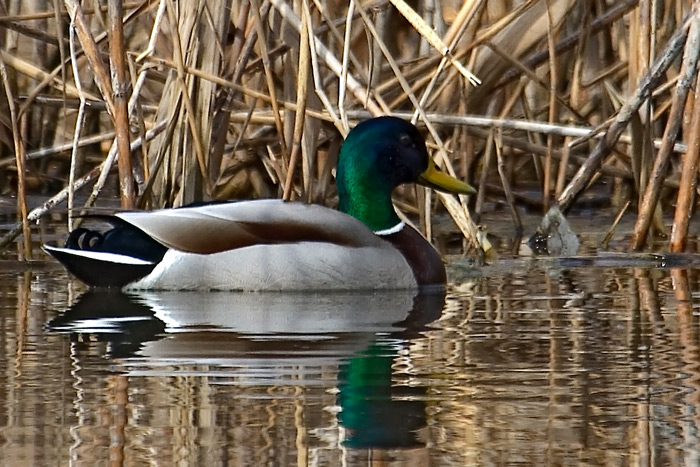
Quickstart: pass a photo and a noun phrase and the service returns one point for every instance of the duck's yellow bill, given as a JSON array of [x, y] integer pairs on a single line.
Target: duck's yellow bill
[[434, 178]]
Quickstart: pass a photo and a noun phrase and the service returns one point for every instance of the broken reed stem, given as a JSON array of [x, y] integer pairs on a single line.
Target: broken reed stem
[[688, 75], [432, 38], [530, 126], [611, 231], [120, 86], [498, 145]]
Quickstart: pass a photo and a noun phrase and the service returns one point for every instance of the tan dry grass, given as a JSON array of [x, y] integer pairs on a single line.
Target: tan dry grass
[[251, 95]]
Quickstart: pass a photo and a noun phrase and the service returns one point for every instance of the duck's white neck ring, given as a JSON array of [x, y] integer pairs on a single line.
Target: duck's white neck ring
[[391, 230]]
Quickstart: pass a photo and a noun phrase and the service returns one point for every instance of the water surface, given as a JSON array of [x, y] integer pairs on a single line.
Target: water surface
[[527, 362]]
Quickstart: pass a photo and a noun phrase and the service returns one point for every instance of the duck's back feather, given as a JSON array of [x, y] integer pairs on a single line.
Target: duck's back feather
[[221, 227]]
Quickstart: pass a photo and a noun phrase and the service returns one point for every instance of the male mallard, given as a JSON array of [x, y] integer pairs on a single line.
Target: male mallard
[[277, 245]]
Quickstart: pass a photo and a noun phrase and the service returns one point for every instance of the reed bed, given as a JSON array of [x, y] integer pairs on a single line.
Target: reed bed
[[534, 102]]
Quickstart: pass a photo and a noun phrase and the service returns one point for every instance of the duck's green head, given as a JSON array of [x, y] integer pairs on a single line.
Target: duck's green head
[[377, 156]]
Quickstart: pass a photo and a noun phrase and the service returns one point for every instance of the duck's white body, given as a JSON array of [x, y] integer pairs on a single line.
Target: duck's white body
[[301, 266], [262, 245]]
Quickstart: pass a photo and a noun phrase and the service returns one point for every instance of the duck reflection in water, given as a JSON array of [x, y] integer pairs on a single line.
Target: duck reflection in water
[[261, 338], [119, 319]]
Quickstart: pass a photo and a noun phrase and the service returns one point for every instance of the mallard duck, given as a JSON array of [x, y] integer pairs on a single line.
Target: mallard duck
[[276, 245]]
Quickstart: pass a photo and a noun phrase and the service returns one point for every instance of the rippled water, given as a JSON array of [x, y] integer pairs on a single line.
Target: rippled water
[[525, 363]]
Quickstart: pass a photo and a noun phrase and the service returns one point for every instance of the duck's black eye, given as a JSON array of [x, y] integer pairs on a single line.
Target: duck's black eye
[[406, 140]]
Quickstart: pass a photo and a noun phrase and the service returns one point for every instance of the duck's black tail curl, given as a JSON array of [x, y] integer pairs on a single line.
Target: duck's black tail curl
[[122, 239], [114, 258]]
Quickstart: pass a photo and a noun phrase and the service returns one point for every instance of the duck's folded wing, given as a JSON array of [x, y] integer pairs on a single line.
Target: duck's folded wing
[[222, 227]]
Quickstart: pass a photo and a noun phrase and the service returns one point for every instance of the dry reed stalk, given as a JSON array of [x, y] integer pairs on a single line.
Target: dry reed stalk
[[59, 148], [464, 17], [433, 39], [533, 77], [178, 164], [61, 48], [318, 82], [365, 75], [271, 88], [198, 73], [613, 14], [49, 14], [576, 94], [487, 159], [512, 40], [650, 80], [552, 114], [241, 50], [80, 119], [104, 83], [89, 45], [20, 158], [463, 20], [120, 114], [343, 85], [688, 182], [260, 116], [611, 231], [187, 176], [688, 75], [133, 102], [510, 198], [32, 71], [301, 91]]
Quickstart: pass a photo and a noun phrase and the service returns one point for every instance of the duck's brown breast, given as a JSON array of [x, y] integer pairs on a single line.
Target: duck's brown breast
[[425, 262]]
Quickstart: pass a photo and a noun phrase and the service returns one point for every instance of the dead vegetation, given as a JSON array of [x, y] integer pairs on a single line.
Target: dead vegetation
[[230, 99]]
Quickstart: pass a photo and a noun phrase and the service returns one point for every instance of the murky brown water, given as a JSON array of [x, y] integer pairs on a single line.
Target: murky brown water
[[532, 365]]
